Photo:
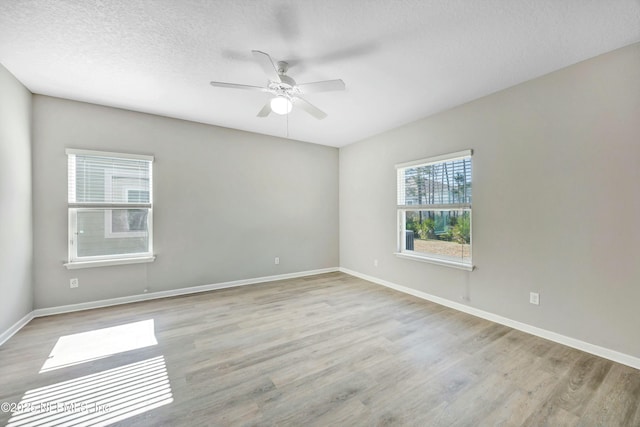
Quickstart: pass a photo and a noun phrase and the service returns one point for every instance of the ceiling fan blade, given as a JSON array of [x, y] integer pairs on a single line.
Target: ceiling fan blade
[[267, 65], [324, 86], [309, 108], [266, 110], [237, 86]]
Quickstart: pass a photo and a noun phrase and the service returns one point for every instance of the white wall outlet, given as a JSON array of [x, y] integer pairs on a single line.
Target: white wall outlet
[[534, 298], [277, 260], [375, 262], [73, 283]]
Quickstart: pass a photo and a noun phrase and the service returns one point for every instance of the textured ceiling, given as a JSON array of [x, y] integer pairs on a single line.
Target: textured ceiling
[[400, 60]]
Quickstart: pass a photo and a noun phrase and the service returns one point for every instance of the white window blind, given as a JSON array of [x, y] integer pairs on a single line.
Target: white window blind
[[110, 205], [97, 180], [441, 184]]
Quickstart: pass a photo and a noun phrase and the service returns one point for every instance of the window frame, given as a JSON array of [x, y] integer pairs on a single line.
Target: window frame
[[403, 206], [74, 261]]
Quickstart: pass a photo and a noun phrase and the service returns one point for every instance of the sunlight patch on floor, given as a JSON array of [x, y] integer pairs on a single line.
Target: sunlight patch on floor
[[99, 399], [86, 346]]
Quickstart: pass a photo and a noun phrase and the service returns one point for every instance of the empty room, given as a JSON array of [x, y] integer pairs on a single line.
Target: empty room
[[328, 213]]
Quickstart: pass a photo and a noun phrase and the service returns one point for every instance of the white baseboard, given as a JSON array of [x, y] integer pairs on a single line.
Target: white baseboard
[[40, 312], [606, 353], [175, 292], [4, 337]]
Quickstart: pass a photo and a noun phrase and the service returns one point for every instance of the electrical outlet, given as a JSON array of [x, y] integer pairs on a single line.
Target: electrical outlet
[[375, 262], [73, 283], [534, 298], [277, 260]]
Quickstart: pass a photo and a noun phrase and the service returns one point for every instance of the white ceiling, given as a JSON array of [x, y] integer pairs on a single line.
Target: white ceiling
[[400, 60]]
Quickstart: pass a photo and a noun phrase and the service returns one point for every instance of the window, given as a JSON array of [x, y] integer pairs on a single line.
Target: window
[[110, 208], [434, 209]]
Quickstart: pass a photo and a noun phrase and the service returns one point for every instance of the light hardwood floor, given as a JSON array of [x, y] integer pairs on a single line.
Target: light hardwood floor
[[326, 350]]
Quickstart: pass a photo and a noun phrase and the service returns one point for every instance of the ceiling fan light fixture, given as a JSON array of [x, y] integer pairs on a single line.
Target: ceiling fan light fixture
[[281, 105]]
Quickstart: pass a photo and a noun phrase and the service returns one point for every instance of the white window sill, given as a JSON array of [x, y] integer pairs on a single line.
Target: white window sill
[[107, 262], [437, 261]]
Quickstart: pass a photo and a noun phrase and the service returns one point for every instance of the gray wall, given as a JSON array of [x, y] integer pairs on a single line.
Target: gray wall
[[556, 170], [16, 237], [226, 202]]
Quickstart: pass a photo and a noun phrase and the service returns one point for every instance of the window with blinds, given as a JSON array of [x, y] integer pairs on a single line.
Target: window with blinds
[[434, 209], [110, 205]]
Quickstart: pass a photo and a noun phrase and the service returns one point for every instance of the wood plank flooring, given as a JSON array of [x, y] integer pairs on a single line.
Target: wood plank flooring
[[326, 350]]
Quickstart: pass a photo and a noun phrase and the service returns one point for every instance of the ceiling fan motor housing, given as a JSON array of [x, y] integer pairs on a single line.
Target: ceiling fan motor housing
[[285, 87]]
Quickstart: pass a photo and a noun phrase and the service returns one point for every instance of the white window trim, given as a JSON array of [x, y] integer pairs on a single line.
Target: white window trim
[[108, 154], [106, 260], [410, 255], [402, 209]]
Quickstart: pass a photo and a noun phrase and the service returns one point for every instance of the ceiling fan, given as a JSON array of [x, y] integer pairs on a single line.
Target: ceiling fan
[[286, 92]]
